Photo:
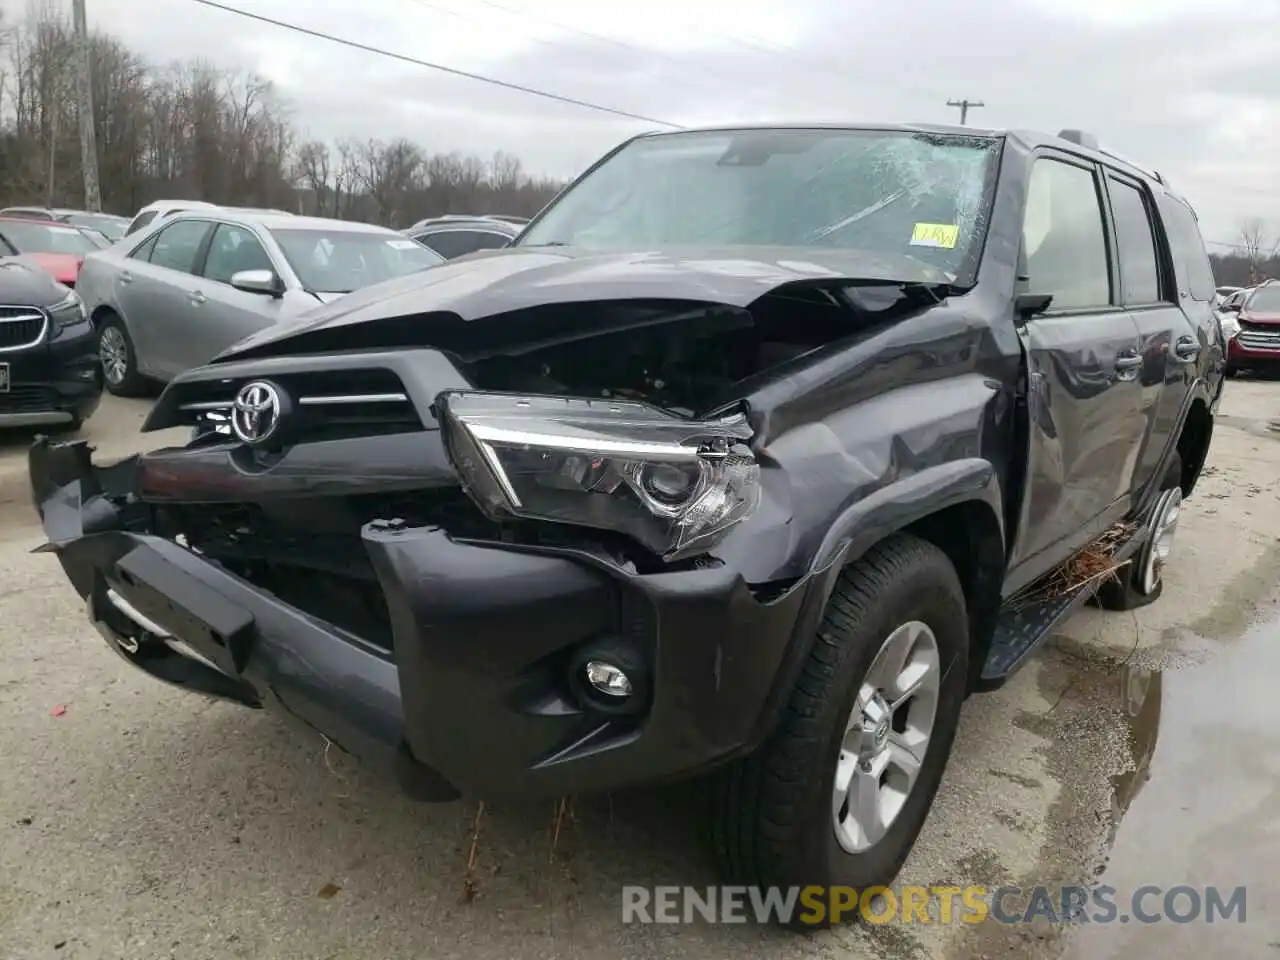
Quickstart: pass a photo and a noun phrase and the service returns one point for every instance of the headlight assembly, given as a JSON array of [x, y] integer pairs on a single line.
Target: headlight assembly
[[67, 311], [1230, 324], [675, 485]]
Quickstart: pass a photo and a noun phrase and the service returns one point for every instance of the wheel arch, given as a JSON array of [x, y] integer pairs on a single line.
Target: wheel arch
[[958, 507], [101, 313], [1194, 439]]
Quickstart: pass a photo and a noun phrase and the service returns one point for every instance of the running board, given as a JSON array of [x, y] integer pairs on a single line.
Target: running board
[[1028, 619]]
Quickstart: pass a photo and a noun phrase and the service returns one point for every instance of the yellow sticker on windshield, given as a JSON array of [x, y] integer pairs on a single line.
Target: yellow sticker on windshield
[[935, 235]]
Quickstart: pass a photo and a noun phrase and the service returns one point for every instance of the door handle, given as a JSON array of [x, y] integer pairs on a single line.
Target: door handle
[[198, 298], [1127, 364], [126, 277], [1186, 349]]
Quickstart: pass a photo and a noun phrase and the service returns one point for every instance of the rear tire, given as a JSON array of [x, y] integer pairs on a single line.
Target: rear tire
[[1141, 582], [119, 360], [775, 816]]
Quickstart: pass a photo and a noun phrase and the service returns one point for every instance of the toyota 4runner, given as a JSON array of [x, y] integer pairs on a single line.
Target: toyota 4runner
[[756, 453]]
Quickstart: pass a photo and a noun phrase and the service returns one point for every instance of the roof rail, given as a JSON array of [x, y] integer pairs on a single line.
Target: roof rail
[[1090, 141], [1080, 137], [1153, 174]]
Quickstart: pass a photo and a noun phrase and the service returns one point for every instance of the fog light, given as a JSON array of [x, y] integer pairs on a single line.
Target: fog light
[[609, 675], [609, 679]]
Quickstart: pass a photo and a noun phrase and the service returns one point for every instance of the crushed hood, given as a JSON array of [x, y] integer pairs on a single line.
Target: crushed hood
[[1268, 318], [512, 279]]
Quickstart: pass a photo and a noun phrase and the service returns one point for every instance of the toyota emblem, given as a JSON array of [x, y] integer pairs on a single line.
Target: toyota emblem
[[257, 412]]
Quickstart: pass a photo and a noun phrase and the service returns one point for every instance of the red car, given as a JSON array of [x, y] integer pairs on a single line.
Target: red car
[[57, 247], [1257, 345]]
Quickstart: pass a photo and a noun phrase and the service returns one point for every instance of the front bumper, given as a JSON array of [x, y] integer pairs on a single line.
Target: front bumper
[[57, 381], [474, 690], [1253, 348]]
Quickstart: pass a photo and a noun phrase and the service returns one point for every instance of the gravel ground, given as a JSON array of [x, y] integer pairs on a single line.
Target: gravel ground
[[143, 823]]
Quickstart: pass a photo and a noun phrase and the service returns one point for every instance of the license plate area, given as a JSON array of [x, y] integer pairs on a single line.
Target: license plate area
[[5, 379], [190, 610]]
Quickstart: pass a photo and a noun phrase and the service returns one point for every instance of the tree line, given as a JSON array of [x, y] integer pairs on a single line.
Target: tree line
[[192, 130], [1255, 257]]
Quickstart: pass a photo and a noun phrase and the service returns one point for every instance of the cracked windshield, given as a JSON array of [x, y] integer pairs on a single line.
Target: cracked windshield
[[883, 193], [543, 480]]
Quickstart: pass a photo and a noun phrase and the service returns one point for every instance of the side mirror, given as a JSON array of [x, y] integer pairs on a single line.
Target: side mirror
[[1027, 305], [257, 281]]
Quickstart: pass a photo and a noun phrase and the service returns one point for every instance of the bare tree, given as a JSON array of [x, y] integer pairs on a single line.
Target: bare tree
[[192, 130], [1257, 244]]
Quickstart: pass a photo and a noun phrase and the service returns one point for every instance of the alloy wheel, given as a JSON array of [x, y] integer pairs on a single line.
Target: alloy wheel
[[114, 354], [886, 736]]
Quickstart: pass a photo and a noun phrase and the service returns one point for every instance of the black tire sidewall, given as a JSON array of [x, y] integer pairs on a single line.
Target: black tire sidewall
[[929, 592]]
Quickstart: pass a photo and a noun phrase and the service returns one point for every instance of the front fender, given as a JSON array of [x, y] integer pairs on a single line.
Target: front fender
[[900, 504]]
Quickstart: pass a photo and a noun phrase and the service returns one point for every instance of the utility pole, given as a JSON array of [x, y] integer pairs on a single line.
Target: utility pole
[[963, 105], [84, 96], [53, 106]]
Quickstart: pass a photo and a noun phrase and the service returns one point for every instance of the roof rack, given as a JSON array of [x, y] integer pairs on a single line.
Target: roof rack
[[1090, 141]]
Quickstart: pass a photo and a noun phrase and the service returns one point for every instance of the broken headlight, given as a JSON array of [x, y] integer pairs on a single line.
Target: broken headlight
[[675, 485]]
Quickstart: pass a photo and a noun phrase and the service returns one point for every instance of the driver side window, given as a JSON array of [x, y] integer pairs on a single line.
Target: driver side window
[[1063, 238], [232, 250]]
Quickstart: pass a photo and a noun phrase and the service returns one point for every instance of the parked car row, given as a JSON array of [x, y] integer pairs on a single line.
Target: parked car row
[[182, 280], [1250, 320], [106, 225]]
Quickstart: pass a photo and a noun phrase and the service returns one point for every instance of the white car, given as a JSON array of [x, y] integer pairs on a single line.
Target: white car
[[159, 209]]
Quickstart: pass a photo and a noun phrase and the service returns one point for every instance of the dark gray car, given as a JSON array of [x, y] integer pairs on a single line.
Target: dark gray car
[[177, 295], [453, 237]]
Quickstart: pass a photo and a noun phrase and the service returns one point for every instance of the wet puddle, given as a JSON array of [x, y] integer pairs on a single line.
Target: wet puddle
[[1199, 810]]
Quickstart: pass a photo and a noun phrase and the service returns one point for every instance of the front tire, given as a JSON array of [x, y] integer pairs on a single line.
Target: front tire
[[119, 360], [839, 792]]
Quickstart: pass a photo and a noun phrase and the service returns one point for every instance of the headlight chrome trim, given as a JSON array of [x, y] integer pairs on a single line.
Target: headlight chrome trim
[[583, 461]]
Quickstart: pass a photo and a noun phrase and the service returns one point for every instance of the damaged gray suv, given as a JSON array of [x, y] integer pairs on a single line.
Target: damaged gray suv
[[755, 455]]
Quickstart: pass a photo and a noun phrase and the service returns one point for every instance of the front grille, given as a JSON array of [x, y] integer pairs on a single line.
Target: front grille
[[21, 327], [309, 553], [27, 399], [1258, 337], [328, 405]]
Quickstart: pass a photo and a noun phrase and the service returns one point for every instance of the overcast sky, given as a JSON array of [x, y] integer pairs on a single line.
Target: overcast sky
[[1191, 87]]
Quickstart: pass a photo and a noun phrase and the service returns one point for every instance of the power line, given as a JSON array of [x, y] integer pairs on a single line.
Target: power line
[[578, 31], [378, 51]]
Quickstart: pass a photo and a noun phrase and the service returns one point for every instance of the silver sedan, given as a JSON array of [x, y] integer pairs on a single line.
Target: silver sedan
[[179, 294]]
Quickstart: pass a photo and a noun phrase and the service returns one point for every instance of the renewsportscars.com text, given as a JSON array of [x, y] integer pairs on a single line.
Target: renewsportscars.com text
[[933, 905]]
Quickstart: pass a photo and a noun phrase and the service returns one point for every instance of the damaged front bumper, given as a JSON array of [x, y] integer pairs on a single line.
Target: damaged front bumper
[[477, 695]]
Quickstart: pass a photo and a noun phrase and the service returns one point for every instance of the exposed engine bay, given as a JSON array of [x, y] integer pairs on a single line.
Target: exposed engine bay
[[689, 358]]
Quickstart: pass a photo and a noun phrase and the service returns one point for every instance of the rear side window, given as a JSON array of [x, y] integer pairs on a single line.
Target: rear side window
[[456, 243], [177, 245], [1063, 238], [1187, 247], [140, 221], [1135, 243]]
